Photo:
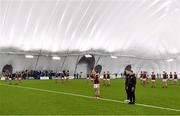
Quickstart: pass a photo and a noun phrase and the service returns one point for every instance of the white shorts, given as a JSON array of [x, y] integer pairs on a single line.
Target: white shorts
[[144, 79], [66, 77], [164, 80], [153, 80], [175, 79], [18, 78], [96, 86]]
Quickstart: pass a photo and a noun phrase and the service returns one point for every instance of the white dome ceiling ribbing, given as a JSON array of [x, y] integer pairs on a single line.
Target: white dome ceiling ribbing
[[146, 28]]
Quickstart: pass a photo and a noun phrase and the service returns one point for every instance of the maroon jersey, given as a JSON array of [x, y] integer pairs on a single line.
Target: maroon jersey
[[141, 75], [144, 76], [153, 76], [175, 76], [18, 75], [104, 76], [92, 76], [165, 76], [96, 79], [108, 76]]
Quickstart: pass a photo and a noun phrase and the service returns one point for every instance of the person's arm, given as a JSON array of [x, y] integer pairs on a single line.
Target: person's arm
[[134, 83]]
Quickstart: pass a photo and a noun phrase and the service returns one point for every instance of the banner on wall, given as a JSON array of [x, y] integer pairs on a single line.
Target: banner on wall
[[44, 78]]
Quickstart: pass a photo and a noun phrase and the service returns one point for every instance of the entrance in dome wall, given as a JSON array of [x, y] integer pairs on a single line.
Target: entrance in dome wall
[[82, 69], [90, 61], [8, 68]]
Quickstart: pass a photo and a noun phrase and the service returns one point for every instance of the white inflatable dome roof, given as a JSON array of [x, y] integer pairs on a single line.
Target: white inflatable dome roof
[[139, 28]]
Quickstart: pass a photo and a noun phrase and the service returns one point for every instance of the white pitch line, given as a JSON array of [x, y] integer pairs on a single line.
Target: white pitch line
[[84, 96]]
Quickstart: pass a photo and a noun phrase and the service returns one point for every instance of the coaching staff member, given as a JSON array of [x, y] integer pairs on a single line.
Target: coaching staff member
[[130, 84], [126, 87]]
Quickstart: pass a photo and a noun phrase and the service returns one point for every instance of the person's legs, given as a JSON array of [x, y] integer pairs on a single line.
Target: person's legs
[[163, 83], [133, 96], [153, 84], [144, 82], [175, 80], [108, 82], [127, 94], [17, 81], [98, 92], [9, 79], [130, 94], [166, 84]]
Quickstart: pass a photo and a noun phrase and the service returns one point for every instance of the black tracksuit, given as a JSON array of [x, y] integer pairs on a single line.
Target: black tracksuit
[[131, 83], [126, 87]]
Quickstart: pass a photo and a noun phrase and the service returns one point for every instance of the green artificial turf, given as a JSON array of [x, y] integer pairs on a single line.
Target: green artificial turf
[[24, 101]]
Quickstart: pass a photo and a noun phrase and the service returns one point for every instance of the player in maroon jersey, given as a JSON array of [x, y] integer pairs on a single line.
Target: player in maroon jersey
[[141, 77], [87, 77], [8, 77], [144, 79], [104, 78], [18, 77], [165, 77], [92, 76], [153, 80], [108, 79], [175, 78], [96, 82]]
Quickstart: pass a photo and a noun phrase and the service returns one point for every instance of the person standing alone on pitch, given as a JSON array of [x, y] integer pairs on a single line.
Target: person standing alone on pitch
[[131, 84], [96, 82], [126, 87]]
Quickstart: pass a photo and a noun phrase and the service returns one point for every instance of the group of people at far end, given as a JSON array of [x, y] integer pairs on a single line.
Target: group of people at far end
[[64, 75], [16, 76], [172, 77]]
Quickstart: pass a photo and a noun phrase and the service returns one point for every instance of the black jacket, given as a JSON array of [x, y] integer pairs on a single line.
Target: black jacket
[[131, 81]]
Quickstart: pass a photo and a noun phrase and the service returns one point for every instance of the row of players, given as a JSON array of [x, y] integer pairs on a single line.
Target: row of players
[[18, 76], [143, 78], [106, 77], [95, 77]]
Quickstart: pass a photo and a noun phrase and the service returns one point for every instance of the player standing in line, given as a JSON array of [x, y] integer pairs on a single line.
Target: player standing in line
[[18, 78], [108, 79], [104, 78], [96, 84], [92, 76], [8, 77], [153, 80], [141, 77], [175, 78], [165, 77], [67, 75], [144, 79], [87, 77]]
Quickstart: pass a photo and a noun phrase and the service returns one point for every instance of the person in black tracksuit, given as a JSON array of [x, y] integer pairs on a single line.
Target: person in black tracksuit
[[126, 87], [130, 84]]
